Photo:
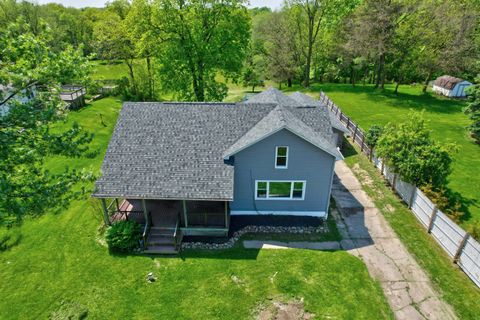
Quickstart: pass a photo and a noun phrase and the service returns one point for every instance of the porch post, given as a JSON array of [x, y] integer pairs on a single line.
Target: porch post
[[145, 213], [185, 213], [226, 214], [105, 212]]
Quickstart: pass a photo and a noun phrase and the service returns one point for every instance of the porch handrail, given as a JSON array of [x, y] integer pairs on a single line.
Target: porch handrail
[[177, 230], [146, 229]]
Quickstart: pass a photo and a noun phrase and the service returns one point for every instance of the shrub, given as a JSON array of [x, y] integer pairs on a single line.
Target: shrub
[[372, 135], [444, 202], [474, 231], [408, 149], [123, 236]]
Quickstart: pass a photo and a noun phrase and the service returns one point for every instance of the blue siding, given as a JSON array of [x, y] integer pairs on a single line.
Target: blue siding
[[305, 162]]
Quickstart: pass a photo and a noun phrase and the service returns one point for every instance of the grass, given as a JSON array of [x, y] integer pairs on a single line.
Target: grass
[[59, 263], [103, 70], [456, 287], [367, 106]]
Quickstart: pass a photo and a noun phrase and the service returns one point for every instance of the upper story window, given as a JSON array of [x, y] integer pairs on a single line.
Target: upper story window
[[281, 158]]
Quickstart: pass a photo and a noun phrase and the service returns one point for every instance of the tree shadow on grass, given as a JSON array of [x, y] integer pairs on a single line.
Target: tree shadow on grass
[[9, 241], [402, 100], [465, 203]]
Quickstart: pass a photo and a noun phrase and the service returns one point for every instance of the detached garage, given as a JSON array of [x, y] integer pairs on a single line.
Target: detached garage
[[450, 86]]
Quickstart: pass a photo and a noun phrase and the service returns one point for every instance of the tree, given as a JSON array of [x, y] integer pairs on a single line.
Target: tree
[[312, 17], [446, 37], [473, 110], [408, 149], [250, 77], [145, 37], [372, 31], [25, 135], [372, 135], [203, 38], [108, 37], [279, 47]]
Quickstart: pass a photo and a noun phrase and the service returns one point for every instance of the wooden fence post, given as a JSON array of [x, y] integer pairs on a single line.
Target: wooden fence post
[[394, 180], [432, 219], [410, 201], [460, 247], [382, 167], [363, 139], [355, 132]]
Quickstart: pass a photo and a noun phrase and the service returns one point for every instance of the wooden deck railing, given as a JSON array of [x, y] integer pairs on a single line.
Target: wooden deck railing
[[71, 93]]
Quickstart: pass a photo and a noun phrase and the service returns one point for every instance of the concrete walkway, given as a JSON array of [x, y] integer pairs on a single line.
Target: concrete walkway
[[367, 235], [259, 244]]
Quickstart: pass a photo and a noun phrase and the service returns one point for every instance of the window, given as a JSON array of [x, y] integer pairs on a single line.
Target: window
[[281, 158], [262, 190], [279, 190]]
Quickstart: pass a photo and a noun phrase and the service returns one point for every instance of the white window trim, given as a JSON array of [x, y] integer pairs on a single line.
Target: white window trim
[[276, 156], [281, 199]]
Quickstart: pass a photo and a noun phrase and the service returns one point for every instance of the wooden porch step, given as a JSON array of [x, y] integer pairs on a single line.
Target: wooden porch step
[[166, 249], [158, 239]]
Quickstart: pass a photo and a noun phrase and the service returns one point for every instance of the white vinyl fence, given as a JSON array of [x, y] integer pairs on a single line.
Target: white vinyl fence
[[457, 243]]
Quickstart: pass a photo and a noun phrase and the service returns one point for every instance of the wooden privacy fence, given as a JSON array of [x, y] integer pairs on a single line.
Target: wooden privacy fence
[[457, 243]]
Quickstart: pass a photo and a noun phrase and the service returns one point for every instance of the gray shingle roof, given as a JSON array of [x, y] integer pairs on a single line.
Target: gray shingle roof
[[308, 101], [278, 119], [273, 96], [174, 150]]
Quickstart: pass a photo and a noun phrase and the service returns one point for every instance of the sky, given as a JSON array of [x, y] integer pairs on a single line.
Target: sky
[[273, 4]]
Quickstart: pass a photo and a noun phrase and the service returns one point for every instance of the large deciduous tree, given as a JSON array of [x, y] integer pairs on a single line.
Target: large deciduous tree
[[311, 18], [372, 32], [203, 38], [473, 110], [280, 51], [26, 138]]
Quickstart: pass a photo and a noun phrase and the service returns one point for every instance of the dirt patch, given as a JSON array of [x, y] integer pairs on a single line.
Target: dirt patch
[[389, 208], [293, 310], [363, 175]]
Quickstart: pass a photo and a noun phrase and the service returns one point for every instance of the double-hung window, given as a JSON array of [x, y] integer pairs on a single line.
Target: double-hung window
[[279, 190], [281, 157]]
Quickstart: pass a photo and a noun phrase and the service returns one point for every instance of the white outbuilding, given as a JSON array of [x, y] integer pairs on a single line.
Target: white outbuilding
[[450, 86]]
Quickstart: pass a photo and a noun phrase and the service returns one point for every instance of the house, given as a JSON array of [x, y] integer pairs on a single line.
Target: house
[[183, 168], [339, 129], [18, 98], [450, 86]]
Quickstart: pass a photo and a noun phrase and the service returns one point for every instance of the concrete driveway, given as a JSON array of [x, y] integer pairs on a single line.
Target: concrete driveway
[[367, 235]]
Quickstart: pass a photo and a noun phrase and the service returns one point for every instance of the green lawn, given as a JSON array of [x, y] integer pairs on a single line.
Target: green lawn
[[60, 259], [102, 70], [456, 287]]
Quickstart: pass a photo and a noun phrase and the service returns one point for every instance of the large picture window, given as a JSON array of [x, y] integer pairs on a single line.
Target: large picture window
[[279, 190], [281, 157]]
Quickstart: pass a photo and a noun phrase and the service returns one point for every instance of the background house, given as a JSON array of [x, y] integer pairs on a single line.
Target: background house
[[450, 86]]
